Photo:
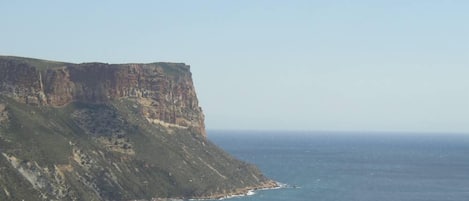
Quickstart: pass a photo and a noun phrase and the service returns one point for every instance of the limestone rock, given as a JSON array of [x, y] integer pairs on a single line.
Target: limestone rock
[[164, 90]]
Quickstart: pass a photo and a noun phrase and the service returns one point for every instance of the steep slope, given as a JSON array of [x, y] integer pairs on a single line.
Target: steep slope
[[99, 131]]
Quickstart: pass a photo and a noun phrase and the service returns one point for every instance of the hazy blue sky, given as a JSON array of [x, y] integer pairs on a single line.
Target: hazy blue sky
[[297, 65]]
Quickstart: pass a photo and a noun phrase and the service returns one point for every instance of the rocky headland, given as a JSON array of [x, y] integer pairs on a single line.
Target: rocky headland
[[97, 131]]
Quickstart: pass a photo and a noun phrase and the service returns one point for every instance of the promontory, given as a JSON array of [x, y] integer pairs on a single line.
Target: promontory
[[98, 131]]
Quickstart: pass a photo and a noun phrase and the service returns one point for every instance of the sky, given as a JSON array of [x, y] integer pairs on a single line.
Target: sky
[[363, 65]]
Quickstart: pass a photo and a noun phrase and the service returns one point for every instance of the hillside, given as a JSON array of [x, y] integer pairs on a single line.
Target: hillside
[[97, 131]]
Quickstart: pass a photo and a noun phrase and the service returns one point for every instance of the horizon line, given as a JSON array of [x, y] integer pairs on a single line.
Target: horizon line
[[340, 131]]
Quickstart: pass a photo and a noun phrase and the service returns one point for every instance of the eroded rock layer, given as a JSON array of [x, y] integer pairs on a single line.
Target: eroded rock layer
[[165, 90]]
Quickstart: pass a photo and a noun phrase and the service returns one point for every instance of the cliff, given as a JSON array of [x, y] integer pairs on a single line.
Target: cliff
[[164, 90], [96, 131]]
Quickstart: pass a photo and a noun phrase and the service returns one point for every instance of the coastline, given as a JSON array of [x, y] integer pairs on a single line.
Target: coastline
[[239, 192]]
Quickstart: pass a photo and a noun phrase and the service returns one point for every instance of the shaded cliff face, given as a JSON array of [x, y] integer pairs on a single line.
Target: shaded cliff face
[[165, 90], [109, 132]]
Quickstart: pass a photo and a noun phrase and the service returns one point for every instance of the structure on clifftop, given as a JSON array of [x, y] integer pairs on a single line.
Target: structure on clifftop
[[96, 131]]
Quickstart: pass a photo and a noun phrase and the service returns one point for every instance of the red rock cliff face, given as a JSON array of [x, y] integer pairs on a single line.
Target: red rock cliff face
[[164, 91]]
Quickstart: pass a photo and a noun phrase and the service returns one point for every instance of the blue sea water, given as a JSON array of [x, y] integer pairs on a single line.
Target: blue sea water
[[353, 166]]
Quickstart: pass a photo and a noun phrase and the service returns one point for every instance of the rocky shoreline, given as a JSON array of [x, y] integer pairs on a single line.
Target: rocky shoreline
[[226, 195]]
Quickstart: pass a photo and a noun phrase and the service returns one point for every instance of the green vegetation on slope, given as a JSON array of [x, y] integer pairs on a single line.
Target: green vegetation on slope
[[109, 152]]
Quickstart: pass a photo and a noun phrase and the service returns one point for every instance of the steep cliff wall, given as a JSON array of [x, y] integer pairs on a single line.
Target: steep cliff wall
[[165, 90]]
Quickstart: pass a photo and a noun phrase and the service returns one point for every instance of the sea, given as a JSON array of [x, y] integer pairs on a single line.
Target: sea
[[353, 166]]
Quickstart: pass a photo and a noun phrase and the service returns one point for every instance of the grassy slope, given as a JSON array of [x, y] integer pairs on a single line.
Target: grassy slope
[[164, 165]]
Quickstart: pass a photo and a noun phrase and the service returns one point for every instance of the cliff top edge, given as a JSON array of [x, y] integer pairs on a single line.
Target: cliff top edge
[[43, 64]]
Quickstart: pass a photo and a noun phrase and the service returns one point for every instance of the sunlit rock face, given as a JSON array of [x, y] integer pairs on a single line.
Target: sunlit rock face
[[165, 91]]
